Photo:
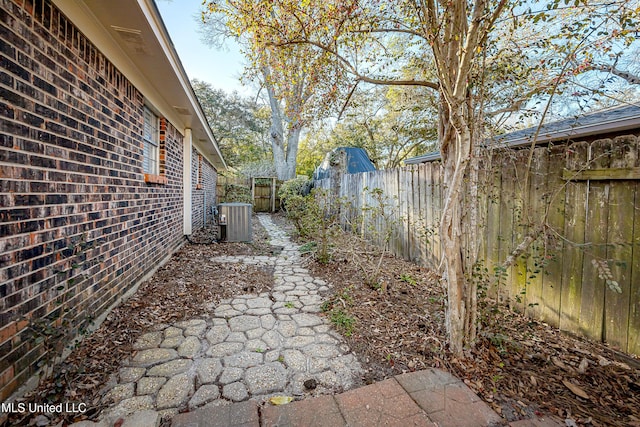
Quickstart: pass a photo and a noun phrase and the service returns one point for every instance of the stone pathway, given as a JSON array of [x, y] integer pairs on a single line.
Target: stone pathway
[[248, 347]]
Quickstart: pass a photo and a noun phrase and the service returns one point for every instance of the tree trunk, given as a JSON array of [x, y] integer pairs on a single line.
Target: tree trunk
[[293, 138], [284, 154], [456, 148]]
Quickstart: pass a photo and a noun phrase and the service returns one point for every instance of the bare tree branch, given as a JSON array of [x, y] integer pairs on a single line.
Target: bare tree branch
[[351, 68]]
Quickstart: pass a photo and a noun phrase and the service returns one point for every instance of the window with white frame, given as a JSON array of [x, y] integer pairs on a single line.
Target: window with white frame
[[151, 145]]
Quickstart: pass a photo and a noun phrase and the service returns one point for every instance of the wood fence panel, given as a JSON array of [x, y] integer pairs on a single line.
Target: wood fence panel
[[554, 249], [419, 218], [428, 213], [534, 280], [357, 199], [421, 252], [633, 340], [482, 199], [437, 193], [587, 218], [418, 226], [492, 233], [507, 216], [404, 193], [574, 233], [592, 305], [388, 185], [519, 272], [368, 203], [396, 212], [361, 201], [262, 198], [619, 248]]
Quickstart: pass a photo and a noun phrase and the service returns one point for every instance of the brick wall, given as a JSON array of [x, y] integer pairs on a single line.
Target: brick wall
[[203, 179], [78, 224]]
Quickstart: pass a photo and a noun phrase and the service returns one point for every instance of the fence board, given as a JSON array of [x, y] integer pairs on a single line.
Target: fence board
[[537, 204], [519, 272], [482, 195], [492, 246], [507, 212], [421, 215], [437, 193], [396, 196], [633, 340], [574, 232], [412, 207], [619, 247], [404, 185], [428, 212], [592, 304], [552, 286]]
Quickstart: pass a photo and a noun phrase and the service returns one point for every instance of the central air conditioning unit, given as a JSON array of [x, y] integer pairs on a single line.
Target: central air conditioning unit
[[234, 220]]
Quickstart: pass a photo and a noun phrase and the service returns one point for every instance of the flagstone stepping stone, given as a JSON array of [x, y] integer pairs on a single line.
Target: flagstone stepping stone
[[175, 392], [131, 375], [244, 323], [230, 375], [170, 369], [265, 379], [208, 370], [154, 356], [149, 385], [244, 359], [236, 392], [189, 347], [146, 341], [204, 394]]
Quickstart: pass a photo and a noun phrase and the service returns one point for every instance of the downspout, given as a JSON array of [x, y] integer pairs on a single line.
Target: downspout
[[186, 182]]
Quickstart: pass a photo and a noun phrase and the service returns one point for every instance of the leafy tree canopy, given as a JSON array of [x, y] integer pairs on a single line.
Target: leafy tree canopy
[[240, 125]]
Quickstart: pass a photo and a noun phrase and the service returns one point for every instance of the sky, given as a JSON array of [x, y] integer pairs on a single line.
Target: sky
[[220, 68]]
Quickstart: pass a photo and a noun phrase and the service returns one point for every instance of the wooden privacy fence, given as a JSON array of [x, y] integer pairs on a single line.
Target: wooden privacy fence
[[262, 193], [585, 193]]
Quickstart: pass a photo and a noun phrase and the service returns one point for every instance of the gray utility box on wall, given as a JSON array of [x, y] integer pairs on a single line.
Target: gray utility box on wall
[[234, 220]]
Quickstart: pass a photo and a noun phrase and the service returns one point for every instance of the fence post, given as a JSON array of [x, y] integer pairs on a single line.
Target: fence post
[[338, 169], [273, 195]]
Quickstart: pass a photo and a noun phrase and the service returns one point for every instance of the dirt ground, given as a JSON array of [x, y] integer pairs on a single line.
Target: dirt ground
[[520, 367]]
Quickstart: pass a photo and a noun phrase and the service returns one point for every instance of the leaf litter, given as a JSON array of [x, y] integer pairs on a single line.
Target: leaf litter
[[520, 367]]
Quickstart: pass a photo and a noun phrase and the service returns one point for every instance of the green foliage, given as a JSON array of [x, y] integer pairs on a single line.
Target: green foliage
[[336, 309], [294, 187], [258, 168], [382, 220], [342, 321], [234, 193], [240, 125], [408, 279], [312, 217], [604, 273], [390, 123], [308, 247]]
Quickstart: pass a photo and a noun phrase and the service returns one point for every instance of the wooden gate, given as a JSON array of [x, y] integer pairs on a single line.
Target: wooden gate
[[264, 192]]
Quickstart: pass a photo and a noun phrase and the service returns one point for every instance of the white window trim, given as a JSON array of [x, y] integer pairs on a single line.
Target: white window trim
[[151, 141]]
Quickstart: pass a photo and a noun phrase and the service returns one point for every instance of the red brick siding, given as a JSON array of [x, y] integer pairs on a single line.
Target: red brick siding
[[78, 224], [203, 179]]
